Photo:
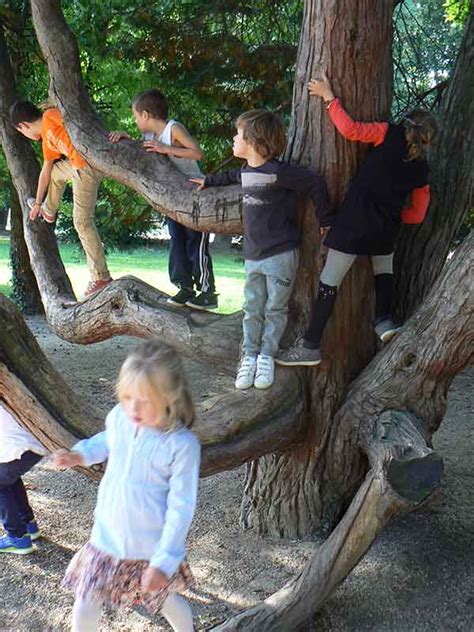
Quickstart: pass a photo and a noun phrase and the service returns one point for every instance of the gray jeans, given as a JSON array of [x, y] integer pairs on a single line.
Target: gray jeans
[[268, 286]]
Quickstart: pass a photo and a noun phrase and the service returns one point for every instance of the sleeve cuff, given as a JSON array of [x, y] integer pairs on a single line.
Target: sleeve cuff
[[168, 565]]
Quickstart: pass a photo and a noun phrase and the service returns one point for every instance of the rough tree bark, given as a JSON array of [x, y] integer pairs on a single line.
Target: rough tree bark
[[380, 422], [25, 287], [452, 185]]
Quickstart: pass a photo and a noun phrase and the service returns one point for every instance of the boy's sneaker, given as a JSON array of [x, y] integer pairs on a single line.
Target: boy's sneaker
[[299, 355], [17, 546], [386, 329], [48, 216], [246, 373], [94, 286], [33, 530], [203, 301], [180, 299], [265, 374]]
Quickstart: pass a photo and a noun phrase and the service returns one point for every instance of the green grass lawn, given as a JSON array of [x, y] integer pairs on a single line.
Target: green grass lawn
[[147, 263]]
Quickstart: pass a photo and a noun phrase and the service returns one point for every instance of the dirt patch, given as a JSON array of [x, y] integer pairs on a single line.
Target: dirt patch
[[418, 576]]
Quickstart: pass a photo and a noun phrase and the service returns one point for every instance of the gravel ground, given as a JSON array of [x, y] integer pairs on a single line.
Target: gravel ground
[[418, 576]]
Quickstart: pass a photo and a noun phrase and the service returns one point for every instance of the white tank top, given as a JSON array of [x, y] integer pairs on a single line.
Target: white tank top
[[187, 166]]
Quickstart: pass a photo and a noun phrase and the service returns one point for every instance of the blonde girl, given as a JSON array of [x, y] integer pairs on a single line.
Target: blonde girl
[[147, 496]]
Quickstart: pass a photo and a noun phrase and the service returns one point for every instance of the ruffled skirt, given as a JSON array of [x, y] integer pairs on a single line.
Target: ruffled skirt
[[99, 577]]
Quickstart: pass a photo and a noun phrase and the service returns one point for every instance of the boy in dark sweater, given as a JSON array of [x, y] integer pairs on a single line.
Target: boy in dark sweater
[[271, 236]]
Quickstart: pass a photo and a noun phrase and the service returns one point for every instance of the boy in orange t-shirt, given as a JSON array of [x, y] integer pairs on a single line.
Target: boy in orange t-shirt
[[62, 164]]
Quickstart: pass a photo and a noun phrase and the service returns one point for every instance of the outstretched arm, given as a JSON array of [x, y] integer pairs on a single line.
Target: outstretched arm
[[345, 125], [43, 184]]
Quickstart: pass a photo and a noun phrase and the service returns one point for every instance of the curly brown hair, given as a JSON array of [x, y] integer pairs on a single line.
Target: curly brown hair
[[421, 129]]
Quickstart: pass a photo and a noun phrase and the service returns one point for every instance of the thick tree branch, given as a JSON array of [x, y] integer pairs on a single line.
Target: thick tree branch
[[437, 342], [161, 185], [234, 427]]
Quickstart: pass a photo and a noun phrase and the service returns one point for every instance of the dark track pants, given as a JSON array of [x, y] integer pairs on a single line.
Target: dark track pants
[[190, 264]]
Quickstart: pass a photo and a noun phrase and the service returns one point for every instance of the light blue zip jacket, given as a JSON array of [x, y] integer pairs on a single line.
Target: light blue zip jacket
[[147, 496]]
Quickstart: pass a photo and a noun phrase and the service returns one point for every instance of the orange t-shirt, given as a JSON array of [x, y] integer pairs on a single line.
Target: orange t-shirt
[[56, 142]]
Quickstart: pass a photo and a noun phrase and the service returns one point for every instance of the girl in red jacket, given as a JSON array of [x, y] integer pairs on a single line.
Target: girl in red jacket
[[371, 213]]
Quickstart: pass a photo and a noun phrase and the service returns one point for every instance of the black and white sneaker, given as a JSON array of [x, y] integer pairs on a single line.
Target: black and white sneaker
[[386, 330], [181, 298], [299, 355], [203, 301]]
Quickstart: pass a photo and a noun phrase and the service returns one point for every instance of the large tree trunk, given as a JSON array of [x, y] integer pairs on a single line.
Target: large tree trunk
[[286, 494], [423, 249], [384, 424], [25, 288]]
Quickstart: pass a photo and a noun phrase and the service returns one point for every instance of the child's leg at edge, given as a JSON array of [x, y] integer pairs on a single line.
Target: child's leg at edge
[[177, 611], [15, 510], [280, 271], [255, 297], [337, 266], [383, 276], [180, 268], [197, 247], [85, 615]]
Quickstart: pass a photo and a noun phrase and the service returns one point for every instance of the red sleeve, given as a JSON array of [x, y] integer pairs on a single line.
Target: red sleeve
[[420, 199], [355, 130]]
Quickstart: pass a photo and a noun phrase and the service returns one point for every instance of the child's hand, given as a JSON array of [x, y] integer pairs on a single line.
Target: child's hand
[[35, 211], [66, 458], [199, 182], [321, 88], [114, 137], [157, 146], [153, 579]]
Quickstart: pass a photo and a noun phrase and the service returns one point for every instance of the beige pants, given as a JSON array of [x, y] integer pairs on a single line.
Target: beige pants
[[85, 184]]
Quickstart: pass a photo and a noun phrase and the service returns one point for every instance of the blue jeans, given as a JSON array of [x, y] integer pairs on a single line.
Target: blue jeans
[[15, 510], [268, 286]]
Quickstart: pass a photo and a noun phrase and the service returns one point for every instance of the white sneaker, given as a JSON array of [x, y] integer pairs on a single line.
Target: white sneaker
[[246, 373], [265, 374]]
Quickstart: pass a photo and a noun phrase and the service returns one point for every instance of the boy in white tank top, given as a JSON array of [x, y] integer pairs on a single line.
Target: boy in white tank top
[[190, 265]]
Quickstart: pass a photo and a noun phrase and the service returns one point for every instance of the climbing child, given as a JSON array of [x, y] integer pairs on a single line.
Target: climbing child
[[271, 236], [370, 216], [63, 164], [147, 496], [19, 452], [190, 264]]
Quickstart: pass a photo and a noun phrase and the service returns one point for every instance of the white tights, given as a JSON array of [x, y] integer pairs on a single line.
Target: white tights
[[175, 609]]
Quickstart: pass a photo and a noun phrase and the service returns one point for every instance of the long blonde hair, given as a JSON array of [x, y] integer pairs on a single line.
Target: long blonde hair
[[421, 130], [157, 365]]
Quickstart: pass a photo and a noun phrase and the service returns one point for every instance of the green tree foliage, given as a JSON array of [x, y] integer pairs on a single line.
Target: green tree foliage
[[427, 37], [213, 60]]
